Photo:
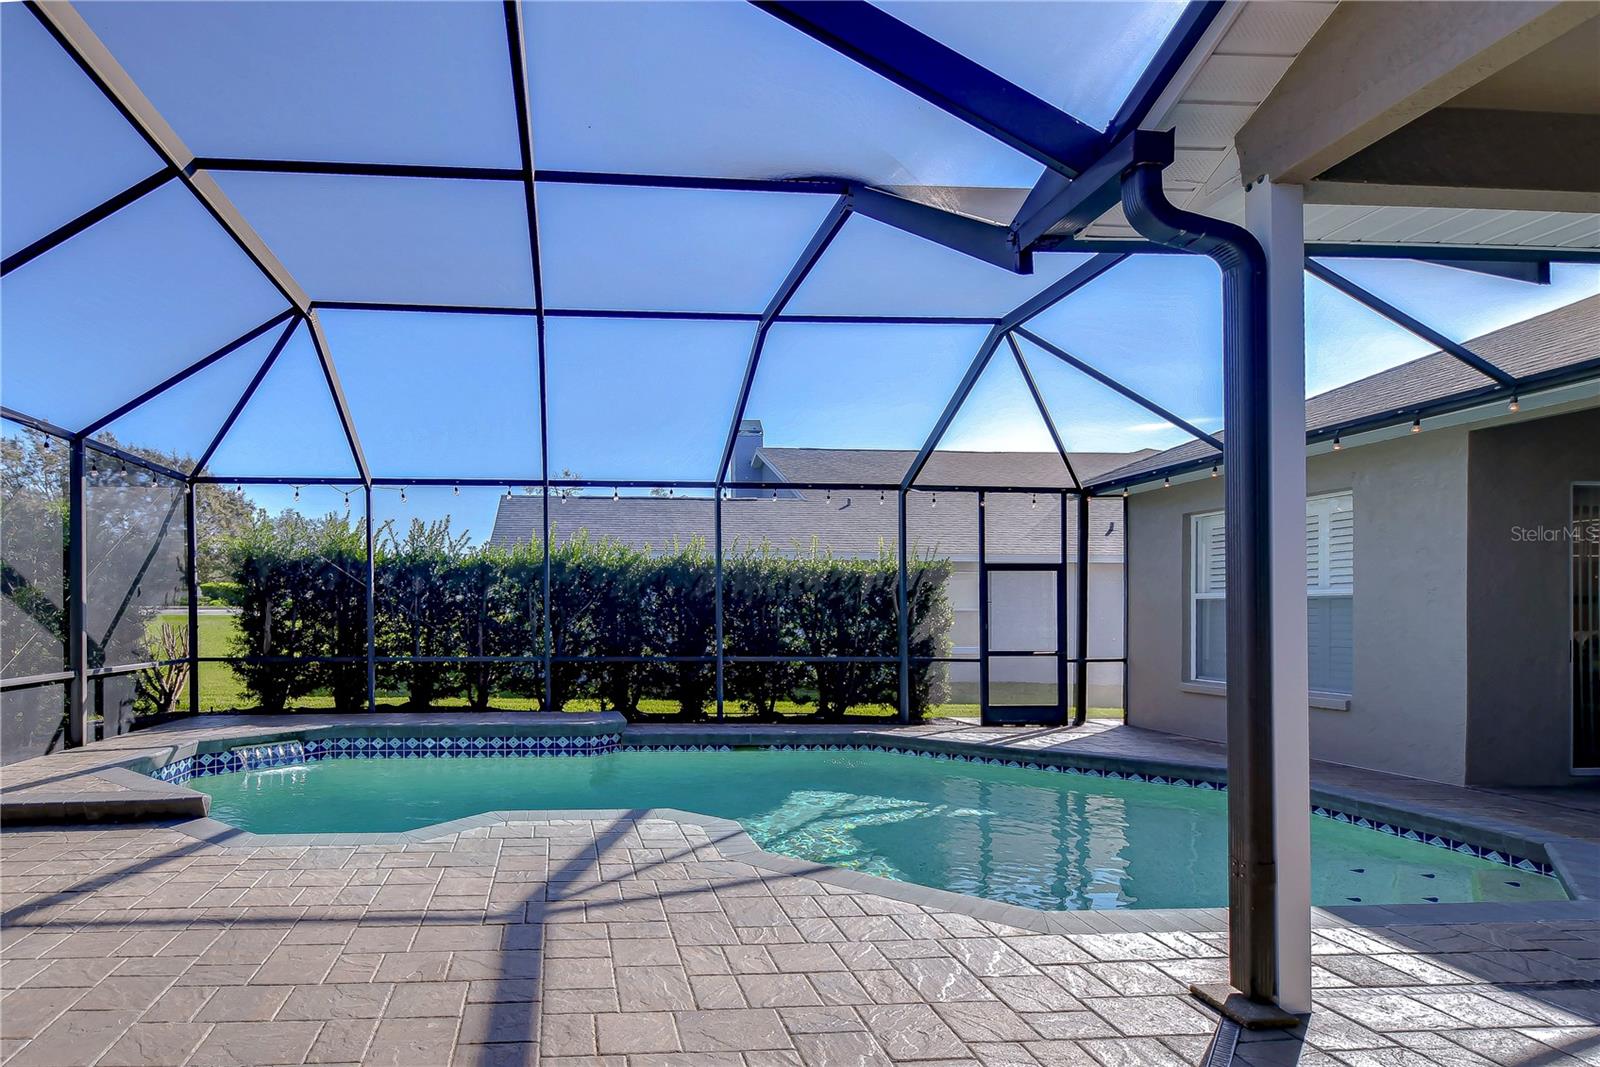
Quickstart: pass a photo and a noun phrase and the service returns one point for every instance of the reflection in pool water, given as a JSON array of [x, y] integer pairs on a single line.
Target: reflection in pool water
[[1017, 835]]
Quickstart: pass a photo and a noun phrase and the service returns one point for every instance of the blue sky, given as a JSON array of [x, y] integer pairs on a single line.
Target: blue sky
[[730, 91]]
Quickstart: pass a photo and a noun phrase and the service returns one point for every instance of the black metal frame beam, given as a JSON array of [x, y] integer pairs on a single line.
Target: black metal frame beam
[[1111, 383], [244, 399], [358, 169], [517, 56], [330, 374], [183, 375], [1060, 290], [69, 29], [1044, 409], [1406, 322], [1175, 50], [832, 223], [1085, 198], [80, 42], [137, 191], [973, 237], [944, 78], [677, 316]]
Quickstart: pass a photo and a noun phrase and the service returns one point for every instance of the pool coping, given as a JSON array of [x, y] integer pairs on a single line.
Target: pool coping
[[139, 797], [734, 844]]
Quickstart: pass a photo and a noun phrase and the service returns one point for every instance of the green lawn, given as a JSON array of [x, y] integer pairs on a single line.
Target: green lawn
[[222, 690]]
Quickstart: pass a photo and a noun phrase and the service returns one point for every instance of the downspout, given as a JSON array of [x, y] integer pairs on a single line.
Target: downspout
[[1252, 860]]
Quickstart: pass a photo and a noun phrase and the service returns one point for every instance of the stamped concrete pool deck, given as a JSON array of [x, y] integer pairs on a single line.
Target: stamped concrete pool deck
[[666, 938]]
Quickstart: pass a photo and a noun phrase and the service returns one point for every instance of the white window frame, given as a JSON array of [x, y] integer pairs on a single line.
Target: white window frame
[[1320, 581]]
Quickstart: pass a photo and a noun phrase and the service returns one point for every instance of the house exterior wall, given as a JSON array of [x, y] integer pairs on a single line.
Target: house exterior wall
[[1405, 713], [1520, 479]]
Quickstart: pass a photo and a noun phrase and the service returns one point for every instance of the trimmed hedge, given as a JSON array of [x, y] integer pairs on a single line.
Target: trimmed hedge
[[302, 595]]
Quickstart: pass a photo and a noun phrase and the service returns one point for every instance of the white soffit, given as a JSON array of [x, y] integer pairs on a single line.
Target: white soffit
[[1222, 91]]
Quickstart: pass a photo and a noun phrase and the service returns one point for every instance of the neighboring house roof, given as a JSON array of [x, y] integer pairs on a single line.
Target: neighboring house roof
[[849, 524], [1566, 337], [878, 465]]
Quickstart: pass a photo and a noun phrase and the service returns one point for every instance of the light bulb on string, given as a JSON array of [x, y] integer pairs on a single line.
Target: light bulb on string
[[402, 494], [1033, 501], [616, 493], [456, 491]]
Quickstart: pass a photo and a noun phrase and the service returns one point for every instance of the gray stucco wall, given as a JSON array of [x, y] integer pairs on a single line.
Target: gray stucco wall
[[1406, 712], [1519, 622]]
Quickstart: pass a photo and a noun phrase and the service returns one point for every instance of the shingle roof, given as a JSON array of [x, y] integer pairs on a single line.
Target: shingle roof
[[1561, 338], [849, 524], [943, 468]]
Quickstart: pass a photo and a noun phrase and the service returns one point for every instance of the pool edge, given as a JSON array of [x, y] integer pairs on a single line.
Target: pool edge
[[735, 844]]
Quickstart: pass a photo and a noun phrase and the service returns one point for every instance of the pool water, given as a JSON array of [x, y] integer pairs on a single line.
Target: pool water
[[1017, 835]]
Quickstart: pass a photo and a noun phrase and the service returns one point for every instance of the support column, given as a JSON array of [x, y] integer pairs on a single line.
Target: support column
[[77, 598], [192, 547], [372, 613], [903, 606], [721, 651], [983, 612], [1274, 214], [1080, 706]]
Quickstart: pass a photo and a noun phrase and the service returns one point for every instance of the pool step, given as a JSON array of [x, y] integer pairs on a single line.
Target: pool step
[[278, 754]]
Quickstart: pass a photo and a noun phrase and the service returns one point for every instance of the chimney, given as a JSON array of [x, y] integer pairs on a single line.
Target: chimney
[[745, 445]]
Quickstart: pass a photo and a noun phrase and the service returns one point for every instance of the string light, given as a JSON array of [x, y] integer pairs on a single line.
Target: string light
[[616, 493], [1033, 501], [1416, 425], [880, 496], [1515, 405], [1124, 492], [935, 502], [774, 494], [455, 491], [828, 497], [1166, 483], [1213, 470], [1338, 445], [297, 492], [47, 443], [402, 494]]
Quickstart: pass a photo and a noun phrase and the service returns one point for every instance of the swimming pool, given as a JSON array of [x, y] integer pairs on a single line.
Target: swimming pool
[[1017, 835]]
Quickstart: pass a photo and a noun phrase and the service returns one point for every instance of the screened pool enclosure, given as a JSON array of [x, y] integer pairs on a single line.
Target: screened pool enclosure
[[363, 353], [295, 268]]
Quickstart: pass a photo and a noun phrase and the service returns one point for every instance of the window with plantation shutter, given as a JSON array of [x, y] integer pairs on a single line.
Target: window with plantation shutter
[[1330, 593]]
